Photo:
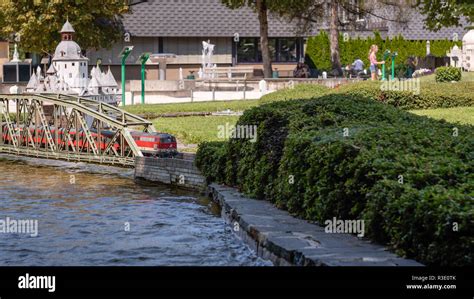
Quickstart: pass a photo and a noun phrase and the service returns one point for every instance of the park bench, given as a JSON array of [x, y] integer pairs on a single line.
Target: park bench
[[229, 72]]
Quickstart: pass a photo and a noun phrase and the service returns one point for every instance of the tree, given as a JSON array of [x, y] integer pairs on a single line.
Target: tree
[[37, 23], [445, 13], [334, 37], [262, 7], [344, 15]]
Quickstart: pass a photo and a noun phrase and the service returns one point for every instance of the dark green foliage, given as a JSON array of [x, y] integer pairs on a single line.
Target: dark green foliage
[[430, 96], [254, 165], [300, 91], [407, 176], [448, 74], [211, 160]]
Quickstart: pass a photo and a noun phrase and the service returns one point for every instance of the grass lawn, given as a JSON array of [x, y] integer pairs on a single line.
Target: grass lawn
[[463, 115], [156, 109], [194, 129]]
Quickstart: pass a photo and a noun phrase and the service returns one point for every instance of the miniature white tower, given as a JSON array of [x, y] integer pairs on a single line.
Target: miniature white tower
[[68, 73], [68, 60]]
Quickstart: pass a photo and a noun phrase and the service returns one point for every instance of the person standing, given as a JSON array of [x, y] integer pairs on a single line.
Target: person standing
[[373, 62]]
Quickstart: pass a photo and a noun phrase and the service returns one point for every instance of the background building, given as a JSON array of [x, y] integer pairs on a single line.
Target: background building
[[180, 26]]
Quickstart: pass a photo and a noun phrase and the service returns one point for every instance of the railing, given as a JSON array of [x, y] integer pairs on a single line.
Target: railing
[[73, 130]]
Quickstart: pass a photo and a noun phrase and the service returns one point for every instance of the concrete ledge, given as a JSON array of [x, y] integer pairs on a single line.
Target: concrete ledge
[[276, 235]]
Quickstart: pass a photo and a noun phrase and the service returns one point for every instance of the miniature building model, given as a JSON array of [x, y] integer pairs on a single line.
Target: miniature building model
[[468, 51], [68, 73]]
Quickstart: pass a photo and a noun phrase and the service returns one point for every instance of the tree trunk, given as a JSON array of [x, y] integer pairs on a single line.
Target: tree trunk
[[334, 39], [263, 19]]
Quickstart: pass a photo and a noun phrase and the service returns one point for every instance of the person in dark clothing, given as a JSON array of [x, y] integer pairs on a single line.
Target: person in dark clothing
[[301, 71]]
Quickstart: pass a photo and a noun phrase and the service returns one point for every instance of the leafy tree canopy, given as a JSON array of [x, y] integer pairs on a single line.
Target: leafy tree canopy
[[37, 23], [446, 13]]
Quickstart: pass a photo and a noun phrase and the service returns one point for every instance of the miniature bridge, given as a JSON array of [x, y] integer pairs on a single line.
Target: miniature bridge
[[65, 127]]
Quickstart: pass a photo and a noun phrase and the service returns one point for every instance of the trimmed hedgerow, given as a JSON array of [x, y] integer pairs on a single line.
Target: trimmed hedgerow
[[430, 96], [448, 74], [253, 166], [408, 177], [300, 91], [211, 160]]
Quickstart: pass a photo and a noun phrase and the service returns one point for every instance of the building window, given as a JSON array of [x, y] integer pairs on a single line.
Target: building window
[[83, 75], [247, 50], [73, 64], [65, 66], [288, 50], [281, 50], [70, 75]]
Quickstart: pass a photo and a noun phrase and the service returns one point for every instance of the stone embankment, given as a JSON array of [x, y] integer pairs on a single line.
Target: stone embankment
[[276, 235], [273, 233]]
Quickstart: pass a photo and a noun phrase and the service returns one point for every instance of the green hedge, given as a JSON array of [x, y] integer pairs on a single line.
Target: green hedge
[[300, 91], [356, 177], [318, 53], [211, 160], [431, 95], [448, 74]]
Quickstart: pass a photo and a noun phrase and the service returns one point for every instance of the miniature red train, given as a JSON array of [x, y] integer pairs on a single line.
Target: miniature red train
[[151, 144]]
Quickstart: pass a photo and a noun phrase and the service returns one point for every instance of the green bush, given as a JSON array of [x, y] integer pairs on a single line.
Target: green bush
[[420, 223], [303, 163], [300, 91], [430, 96], [252, 166], [448, 74], [211, 160]]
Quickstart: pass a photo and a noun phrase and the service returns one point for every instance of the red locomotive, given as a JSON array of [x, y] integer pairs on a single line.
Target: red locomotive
[[151, 144]]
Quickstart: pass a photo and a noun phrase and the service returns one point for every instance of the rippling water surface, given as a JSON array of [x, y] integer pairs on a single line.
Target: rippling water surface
[[91, 215]]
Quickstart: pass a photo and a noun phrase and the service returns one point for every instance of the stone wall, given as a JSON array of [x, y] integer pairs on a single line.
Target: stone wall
[[285, 240], [179, 172]]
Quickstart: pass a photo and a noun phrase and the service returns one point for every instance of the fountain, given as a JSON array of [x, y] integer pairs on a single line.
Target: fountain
[[16, 56], [207, 53]]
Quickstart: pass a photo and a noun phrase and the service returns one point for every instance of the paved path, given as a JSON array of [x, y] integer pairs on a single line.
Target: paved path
[[199, 96], [286, 240]]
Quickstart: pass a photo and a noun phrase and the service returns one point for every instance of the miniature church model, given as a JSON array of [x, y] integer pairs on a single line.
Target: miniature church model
[[68, 73]]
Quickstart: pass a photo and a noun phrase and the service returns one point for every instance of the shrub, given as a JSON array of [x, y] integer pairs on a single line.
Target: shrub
[[431, 95], [211, 160], [300, 91], [304, 163], [448, 74], [252, 166], [420, 223]]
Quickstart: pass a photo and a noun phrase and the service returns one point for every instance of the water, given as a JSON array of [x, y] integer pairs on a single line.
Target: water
[[92, 215]]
